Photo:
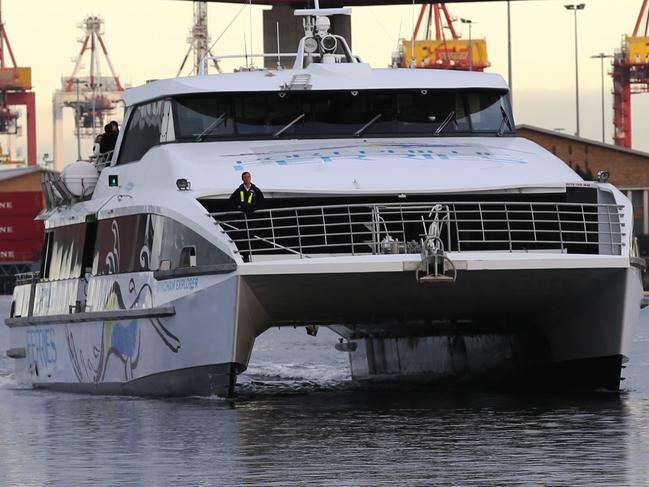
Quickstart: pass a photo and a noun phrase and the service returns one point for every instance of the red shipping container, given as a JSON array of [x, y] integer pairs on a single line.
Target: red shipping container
[[20, 203], [20, 229], [20, 250]]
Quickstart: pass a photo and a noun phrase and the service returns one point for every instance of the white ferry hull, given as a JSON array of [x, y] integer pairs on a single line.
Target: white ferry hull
[[181, 348], [527, 322]]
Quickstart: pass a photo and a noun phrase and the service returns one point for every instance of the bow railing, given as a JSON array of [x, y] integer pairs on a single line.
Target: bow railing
[[400, 228]]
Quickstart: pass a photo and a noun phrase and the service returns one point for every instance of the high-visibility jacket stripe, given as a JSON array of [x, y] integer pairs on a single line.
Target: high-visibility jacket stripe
[[243, 197]]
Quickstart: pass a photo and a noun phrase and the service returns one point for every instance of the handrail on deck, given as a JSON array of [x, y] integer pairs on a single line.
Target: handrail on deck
[[403, 227]]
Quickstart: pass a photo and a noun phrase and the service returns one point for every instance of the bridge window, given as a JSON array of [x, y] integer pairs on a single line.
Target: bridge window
[[149, 125], [342, 113]]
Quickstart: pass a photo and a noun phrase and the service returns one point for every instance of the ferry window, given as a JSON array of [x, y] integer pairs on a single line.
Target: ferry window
[[138, 243], [143, 131], [486, 112], [122, 245], [47, 255], [167, 133], [187, 257], [64, 252], [181, 247], [200, 117], [312, 114], [88, 248]]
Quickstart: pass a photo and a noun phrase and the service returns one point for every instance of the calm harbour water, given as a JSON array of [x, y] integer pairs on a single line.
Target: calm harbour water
[[298, 422]]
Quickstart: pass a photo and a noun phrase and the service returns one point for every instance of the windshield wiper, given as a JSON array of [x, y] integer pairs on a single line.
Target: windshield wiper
[[443, 125], [211, 127], [366, 126], [505, 120], [289, 125]]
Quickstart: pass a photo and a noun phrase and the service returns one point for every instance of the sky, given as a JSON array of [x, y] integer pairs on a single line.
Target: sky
[[147, 39]]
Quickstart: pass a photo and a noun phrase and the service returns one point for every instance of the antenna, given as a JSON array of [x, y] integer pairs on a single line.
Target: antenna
[[245, 48], [250, 19], [279, 62]]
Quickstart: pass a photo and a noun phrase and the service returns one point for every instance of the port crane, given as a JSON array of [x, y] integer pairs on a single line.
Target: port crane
[[15, 90], [441, 51], [92, 95], [630, 75]]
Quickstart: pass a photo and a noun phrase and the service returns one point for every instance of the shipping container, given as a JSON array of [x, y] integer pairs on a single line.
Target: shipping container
[[20, 250], [24, 228], [449, 53], [638, 50], [15, 78], [20, 203]]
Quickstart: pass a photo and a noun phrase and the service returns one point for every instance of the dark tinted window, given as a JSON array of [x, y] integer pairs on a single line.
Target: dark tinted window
[[341, 114], [142, 132], [148, 242], [64, 252], [122, 245]]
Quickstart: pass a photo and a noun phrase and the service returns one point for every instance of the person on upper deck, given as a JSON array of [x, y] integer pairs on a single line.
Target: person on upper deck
[[247, 197], [109, 138]]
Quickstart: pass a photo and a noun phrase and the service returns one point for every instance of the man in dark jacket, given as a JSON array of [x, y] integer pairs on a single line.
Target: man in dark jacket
[[247, 197], [108, 140]]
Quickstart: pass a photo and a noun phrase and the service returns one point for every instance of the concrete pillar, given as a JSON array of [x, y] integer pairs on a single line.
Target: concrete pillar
[[57, 127], [291, 31]]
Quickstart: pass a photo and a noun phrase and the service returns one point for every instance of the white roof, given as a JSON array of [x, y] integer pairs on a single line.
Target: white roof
[[344, 76]]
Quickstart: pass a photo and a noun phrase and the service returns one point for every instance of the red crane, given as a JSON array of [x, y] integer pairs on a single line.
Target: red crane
[[630, 76], [15, 89]]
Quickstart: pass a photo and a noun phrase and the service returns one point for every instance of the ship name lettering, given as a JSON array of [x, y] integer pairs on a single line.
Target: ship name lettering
[[187, 283], [41, 347]]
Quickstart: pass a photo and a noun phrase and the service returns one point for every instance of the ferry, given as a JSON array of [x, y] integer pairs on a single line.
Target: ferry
[[400, 210]]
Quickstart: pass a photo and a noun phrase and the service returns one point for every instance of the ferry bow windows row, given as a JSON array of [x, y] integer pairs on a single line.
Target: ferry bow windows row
[[342, 114], [314, 114], [134, 243]]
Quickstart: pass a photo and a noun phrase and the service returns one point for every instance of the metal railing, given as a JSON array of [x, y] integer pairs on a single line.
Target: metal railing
[[390, 228], [103, 159], [27, 277]]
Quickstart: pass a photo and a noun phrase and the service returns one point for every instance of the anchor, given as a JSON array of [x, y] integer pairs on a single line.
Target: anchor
[[435, 266]]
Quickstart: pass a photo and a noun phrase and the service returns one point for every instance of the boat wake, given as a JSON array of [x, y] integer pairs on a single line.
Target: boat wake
[[291, 378], [8, 381]]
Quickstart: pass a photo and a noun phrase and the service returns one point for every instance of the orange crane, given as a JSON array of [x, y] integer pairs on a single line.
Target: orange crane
[[15, 89], [630, 76], [442, 52]]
